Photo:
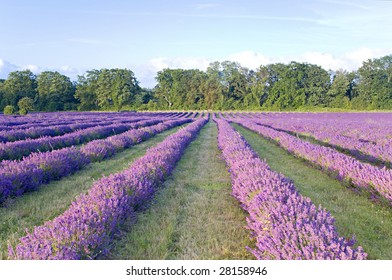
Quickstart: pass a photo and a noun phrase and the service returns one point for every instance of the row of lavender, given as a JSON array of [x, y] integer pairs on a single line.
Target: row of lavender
[[88, 226], [369, 143], [8, 123], [47, 119], [59, 127], [55, 129], [19, 149], [365, 127], [363, 175], [285, 224], [18, 177]]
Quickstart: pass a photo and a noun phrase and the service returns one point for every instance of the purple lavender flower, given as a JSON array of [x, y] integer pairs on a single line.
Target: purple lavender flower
[[285, 224]]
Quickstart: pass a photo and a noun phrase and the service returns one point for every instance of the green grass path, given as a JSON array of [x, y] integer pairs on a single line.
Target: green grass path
[[354, 213], [193, 216], [54, 198]]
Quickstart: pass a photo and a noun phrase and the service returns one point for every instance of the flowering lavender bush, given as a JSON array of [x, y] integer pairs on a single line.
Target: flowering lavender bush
[[39, 168], [285, 224], [366, 136], [363, 175], [18, 149], [86, 228], [53, 130]]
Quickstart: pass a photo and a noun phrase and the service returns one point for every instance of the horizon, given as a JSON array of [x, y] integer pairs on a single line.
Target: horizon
[[149, 36]]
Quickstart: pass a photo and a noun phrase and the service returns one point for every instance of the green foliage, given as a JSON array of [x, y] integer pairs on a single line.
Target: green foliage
[[223, 86], [116, 87], [107, 89], [19, 84], [2, 95], [25, 105], [180, 89], [375, 84], [294, 85], [9, 110], [55, 91], [86, 91]]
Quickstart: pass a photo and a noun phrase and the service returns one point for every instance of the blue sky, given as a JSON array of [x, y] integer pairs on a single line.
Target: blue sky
[[147, 36]]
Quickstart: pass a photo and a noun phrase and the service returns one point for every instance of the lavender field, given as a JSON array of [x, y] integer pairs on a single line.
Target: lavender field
[[196, 185]]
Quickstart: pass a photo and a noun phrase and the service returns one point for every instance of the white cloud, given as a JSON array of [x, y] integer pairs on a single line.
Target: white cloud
[[351, 60], [178, 62], [325, 60], [5, 68], [249, 59], [146, 73], [70, 72], [356, 57], [33, 68]]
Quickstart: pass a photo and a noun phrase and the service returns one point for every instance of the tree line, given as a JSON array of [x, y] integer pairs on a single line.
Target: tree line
[[223, 86]]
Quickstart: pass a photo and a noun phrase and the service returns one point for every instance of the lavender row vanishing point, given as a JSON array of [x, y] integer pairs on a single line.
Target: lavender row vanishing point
[[87, 227], [285, 224]]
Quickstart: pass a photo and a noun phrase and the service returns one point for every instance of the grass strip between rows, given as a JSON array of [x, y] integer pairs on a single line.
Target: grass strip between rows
[[193, 216]]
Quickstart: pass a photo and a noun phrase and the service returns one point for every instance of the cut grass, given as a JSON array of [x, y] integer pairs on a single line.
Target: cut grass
[[354, 213], [193, 216], [54, 198]]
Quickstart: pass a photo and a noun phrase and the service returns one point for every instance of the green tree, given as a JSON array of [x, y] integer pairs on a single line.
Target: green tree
[[9, 110], [19, 84], [2, 95], [26, 104], [116, 88], [338, 95], [258, 88], [55, 92], [143, 98], [294, 85], [234, 82], [168, 89], [86, 90], [375, 84], [213, 93]]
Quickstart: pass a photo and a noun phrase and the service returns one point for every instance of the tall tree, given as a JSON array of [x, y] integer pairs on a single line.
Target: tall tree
[[116, 88], [293, 85], [375, 83], [55, 92], [170, 88], [338, 95], [234, 81], [2, 95], [19, 84], [86, 88]]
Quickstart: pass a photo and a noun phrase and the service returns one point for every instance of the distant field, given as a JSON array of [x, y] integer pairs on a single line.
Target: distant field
[[196, 185]]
